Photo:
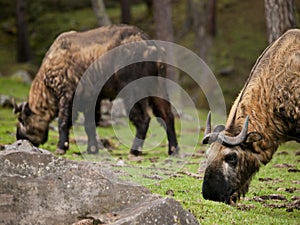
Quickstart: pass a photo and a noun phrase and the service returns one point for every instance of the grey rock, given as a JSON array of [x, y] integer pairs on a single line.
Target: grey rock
[[24, 145], [23, 75], [114, 109], [227, 71], [39, 188], [6, 101], [118, 108]]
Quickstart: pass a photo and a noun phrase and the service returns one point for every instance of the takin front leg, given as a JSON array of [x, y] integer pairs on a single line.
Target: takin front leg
[[162, 109], [140, 119], [64, 125]]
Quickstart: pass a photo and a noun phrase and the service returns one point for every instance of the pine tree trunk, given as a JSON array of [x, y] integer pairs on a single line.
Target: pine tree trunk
[[280, 16], [162, 12], [201, 15], [100, 12], [23, 47], [125, 11]]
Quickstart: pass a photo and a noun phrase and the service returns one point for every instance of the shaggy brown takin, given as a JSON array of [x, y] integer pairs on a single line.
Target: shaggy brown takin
[[265, 114], [52, 91]]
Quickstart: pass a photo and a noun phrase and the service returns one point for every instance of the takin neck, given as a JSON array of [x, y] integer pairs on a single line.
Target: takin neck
[[269, 127], [41, 101]]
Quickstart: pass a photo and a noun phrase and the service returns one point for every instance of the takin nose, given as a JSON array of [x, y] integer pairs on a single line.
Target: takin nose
[[216, 188], [21, 136]]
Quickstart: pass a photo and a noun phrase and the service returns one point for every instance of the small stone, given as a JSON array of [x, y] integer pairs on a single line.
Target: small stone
[[6, 101], [23, 75]]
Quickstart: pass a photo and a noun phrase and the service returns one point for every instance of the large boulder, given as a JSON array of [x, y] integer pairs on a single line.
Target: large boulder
[[39, 188]]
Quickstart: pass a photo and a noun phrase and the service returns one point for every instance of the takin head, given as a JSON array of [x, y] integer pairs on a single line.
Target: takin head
[[230, 164], [30, 126]]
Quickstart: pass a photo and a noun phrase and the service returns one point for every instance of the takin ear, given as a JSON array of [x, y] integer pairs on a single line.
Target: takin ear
[[22, 108], [253, 137], [26, 109], [219, 128]]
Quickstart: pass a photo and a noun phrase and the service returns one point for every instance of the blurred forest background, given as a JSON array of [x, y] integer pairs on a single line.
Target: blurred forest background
[[228, 34]]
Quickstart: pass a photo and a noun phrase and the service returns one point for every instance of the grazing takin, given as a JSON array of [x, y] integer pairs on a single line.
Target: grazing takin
[[265, 114], [52, 91]]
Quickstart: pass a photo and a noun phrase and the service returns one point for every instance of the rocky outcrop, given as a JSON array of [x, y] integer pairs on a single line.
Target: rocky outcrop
[[39, 188]]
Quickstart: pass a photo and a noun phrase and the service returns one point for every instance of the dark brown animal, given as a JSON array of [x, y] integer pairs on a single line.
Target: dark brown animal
[[52, 90], [265, 114]]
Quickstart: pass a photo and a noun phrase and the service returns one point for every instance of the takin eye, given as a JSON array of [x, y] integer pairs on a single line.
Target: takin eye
[[21, 120], [231, 158]]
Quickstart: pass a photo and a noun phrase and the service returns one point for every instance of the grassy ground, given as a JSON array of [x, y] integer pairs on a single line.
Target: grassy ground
[[180, 178]]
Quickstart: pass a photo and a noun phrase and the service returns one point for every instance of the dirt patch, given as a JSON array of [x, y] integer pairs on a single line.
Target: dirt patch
[[283, 165], [244, 207], [293, 170], [264, 198], [268, 179], [153, 177], [289, 206], [278, 201], [170, 192], [282, 153], [289, 190]]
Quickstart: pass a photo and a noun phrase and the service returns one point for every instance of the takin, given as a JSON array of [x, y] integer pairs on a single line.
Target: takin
[[265, 114], [52, 91]]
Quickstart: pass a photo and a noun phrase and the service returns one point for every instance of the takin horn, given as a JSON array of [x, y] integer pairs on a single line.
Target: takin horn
[[208, 124], [210, 137], [219, 136], [233, 141], [17, 108]]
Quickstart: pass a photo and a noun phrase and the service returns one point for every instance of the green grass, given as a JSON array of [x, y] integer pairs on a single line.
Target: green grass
[[179, 176]]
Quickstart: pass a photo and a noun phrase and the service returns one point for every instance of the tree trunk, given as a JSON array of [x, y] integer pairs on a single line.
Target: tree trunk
[[211, 17], [201, 15], [23, 47], [162, 12], [100, 11], [125, 11], [280, 16]]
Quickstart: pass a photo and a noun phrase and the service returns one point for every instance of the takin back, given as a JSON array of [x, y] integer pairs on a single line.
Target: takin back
[[265, 114], [52, 91]]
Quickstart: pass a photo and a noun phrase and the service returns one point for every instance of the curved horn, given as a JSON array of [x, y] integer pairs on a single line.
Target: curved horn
[[208, 124], [210, 137], [240, 138], [16, 107]]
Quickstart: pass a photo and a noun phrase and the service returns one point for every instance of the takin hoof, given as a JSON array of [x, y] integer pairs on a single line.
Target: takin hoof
[[136, 152], [174, 151], [60, 151], [92, 150]]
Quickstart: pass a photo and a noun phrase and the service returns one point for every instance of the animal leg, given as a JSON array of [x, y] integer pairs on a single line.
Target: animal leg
[[90, 129], [140, 118], [98, 112], [64, 125], [162, 109]]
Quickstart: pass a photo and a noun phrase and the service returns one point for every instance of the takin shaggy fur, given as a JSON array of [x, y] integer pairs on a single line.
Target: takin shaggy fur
[[265, 114], [52, 91]]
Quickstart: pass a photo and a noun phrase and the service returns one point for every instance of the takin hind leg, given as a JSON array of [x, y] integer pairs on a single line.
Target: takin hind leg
[[162, 109], [90, 129], [140, 119], [98, 112]]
